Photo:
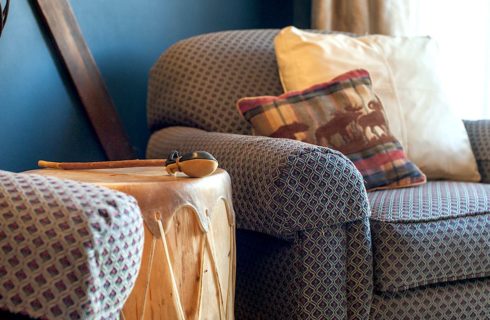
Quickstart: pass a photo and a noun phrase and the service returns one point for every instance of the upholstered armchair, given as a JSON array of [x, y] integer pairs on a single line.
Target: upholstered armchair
[[68, 250], [312, 244]]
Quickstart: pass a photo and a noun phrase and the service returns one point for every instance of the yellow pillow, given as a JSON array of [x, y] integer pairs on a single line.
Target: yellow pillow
[[405, 77]]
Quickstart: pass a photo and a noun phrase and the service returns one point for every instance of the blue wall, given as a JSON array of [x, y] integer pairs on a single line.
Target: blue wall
[[40, 115]]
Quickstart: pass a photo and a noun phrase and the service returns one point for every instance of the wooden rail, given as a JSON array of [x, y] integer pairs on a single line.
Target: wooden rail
[[86, 77]]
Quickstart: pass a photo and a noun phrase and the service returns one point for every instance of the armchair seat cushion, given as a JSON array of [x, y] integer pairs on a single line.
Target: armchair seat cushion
[[434, 233]]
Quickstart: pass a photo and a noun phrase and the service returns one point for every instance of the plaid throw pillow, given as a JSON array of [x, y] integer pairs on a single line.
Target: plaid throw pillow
[[343, 114]]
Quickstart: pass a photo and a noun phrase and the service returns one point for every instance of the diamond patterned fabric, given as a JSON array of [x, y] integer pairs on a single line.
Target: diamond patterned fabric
[[434, 233], [451, 301], [302, 193], [312, 198], [69, 250], [479, 134], [197, 81], [280, 186], [306, 279]]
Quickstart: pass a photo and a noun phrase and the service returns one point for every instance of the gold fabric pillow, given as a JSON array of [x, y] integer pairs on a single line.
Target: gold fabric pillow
[[406, 78]]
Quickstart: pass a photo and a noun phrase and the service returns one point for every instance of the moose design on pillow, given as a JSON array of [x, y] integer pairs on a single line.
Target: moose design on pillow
[[354, 128], [343, 114]]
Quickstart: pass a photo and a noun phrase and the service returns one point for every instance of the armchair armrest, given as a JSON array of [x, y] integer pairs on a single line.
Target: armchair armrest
[[280, 186], [479, 134], [69, 250]]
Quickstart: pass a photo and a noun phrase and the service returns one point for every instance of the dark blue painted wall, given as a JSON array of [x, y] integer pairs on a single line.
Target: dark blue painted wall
[[41, 117]]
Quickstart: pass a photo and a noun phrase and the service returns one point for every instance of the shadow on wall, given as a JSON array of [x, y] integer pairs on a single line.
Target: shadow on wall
[[41, 115]]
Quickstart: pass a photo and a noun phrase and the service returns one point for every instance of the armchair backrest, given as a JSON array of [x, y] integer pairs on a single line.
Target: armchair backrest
[[197, 81]]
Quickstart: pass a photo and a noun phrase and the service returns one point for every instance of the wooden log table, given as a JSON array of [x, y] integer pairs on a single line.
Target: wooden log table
[[190, 272]]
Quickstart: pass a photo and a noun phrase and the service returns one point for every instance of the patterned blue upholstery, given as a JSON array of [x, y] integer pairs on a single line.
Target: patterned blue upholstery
[[324, 274], [448, 301], [308, 195], [280, 186], [434, 233], [196, 82], [304, 238], [479, 133], [68, 250]]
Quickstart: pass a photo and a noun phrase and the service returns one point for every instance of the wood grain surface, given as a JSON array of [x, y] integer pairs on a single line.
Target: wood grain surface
[[86, 77]]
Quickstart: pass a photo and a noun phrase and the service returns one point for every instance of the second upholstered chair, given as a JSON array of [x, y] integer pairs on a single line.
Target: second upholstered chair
[[312, 244]]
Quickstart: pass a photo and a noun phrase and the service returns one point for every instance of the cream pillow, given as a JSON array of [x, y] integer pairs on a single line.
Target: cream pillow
[[406, 78]]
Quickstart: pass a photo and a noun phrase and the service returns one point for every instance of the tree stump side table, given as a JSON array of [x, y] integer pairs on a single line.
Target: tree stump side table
[[189, 273]]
